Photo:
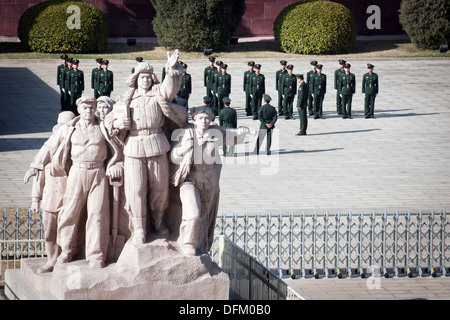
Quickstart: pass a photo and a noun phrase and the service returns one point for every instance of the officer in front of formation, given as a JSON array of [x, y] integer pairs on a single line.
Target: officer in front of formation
[[186, 84], [370, 91], [246, 87], [106, 80], [94, 77], [223, 86], [318, 88], [257, 90], [337, 75], [59, 77], [208, 77], [278, 81], [217, 72], [76, 84], [228, 119], [289, 88], [309, 77], [347, 83], [302, 104], [267, 115]]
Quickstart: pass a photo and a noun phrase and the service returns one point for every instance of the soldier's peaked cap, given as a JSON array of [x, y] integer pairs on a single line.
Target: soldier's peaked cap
[[99, 60], [251, 63], [64, 57], [267, 97], [314, 63], [347, 65], [226, 100], [105, 62], [290, 67], [139, 59], [342, 61], [319, 66], [206, 99], [212, 59], [257, 66], [76, 61], [370, 66], [283, 62]]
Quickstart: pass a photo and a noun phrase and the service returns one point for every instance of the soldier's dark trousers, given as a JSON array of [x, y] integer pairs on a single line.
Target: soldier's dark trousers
[[288, 106], [303, 116], [310, 104], [73, 99], [280, 103], [318, 106], [248, 103], [256, 104], [96, 94], [62, 98], [220, 103], [67, 100], [338, 103], [346, 106], [369, 105], [262, 133]]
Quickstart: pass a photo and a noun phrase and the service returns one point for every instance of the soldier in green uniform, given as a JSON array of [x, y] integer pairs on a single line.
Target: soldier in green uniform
[[186, 84], [257, 90], [106, 80], [302, 104], [278, 80], [309, 77], [370, 91], [337, 76], [59, 76], [94, 77], [319, 89], [214, 102], [347, 90], [138, 60], [246, 87], [223, 87], [76, 85], [267, 115], [65, 83], [289, 88], [228, 119], [208, 77]]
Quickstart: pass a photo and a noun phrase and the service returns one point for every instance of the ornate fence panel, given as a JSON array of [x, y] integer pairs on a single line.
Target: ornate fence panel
[[344, 243]]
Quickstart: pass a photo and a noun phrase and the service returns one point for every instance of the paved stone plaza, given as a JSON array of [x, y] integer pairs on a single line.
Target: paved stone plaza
[[398, 161]]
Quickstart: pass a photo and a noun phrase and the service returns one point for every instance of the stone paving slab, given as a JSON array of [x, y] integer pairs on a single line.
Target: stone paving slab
[[398, 161]]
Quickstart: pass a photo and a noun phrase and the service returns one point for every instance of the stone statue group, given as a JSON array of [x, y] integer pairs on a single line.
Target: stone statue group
[[138, 149]]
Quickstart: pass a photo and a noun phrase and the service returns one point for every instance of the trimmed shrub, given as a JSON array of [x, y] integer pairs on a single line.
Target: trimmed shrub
[[44, 28], [426, 22], [193, 25], [315, 27]]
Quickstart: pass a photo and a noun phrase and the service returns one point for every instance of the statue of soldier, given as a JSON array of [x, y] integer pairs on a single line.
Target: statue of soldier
[[146, 171]]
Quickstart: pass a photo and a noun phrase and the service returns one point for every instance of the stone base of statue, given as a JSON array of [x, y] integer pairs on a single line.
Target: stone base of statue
[[152, 271]]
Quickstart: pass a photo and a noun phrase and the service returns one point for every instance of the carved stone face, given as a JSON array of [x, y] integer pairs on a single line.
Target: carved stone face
[[144, 80], [103, 109], [202, 121], [87, 111]]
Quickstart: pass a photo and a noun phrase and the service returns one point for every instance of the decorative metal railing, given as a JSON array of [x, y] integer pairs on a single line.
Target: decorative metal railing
[[344, 244], [300, 245]]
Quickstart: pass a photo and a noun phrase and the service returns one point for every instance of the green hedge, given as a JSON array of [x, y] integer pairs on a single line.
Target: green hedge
[[43, 28], [194, 25], [315, 27], [426, 22]]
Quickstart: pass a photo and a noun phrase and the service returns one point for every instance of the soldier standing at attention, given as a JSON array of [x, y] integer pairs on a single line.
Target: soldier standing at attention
[[257, 89], [228, 119], [246, 87], [309, 77], [59, 76], [319, 89], [208, 78], [94, 77], [76, 84], [65, 84], [337, 76], [348, 86], [106, 80], [289, 87], [186, 84], [302, 104], [138, 60], [278, 81], [223, 87], [268, 117], [370, 91], [217, 72]]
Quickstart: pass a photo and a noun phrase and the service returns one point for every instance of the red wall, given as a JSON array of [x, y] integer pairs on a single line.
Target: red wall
[[133, 18]]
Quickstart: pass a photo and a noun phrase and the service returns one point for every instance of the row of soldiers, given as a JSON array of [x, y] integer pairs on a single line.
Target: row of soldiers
[[71, 83]]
